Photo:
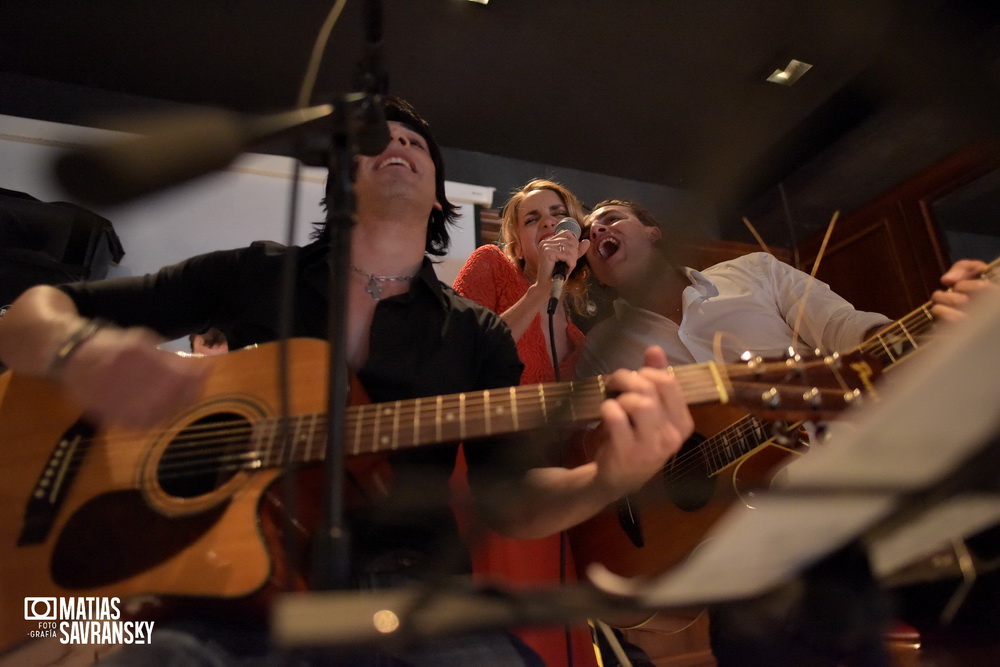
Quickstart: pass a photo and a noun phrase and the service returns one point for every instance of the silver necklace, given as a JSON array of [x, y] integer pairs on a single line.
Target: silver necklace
[[374, 285]]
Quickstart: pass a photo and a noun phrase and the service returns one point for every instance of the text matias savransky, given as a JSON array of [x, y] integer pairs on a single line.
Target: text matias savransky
[[84, 620]]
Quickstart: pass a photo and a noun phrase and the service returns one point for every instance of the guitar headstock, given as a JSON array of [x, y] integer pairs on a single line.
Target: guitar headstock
[[799, 388]]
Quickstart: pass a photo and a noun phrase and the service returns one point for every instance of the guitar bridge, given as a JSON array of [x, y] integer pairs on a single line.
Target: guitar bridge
[[54, 483]]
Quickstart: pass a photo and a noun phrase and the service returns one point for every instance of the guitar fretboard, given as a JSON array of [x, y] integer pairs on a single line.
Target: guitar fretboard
[[892, 344], [735, 442], [399, 425], [897, 341]]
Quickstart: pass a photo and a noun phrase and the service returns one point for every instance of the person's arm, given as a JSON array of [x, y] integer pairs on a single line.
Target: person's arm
[[563, 247], [481, 279], [116, 375], [964, 281], [823, 318], [645, 424], [520, 316]]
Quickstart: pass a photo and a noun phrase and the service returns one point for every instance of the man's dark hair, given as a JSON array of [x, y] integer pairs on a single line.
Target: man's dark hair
[[645, 217], [399, 110], [668, 250], [211, 337]]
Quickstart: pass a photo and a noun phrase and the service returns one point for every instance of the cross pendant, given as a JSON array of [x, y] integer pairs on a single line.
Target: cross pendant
[[374, 288]]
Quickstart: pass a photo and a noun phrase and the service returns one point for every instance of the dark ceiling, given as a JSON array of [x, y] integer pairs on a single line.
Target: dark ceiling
[[669, 92]]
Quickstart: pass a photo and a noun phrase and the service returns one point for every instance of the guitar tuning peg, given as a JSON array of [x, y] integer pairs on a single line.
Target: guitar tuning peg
[[754, 362], [812, 398], [853, 397], [820, 431], [781, 434], [771, 398], [793, 360]]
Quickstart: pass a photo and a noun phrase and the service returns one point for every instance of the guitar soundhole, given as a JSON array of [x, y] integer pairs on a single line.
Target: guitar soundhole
[[686, 477], [206, 454]]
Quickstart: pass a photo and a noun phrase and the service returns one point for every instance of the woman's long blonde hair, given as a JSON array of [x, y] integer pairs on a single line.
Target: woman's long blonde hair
[[575, 289]]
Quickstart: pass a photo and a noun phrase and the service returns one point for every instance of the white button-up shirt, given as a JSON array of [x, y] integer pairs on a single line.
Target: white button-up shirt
[[753, 302]]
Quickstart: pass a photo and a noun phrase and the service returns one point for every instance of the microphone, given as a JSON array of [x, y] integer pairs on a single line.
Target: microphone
[[171, 150], [371, 78], [560, 270]]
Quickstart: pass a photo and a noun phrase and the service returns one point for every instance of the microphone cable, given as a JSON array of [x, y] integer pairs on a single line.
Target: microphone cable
[[563, 536]]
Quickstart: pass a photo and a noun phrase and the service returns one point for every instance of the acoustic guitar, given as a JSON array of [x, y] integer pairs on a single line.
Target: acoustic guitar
[[189, 508], [732, 456]]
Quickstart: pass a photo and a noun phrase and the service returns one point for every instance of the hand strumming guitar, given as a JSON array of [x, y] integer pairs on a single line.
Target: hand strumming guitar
[[642, 426], [118, 376]]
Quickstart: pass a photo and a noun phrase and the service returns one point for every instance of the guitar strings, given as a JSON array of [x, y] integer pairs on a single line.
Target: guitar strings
[[223, 459], [203, 441], [368, 417], [717, 451], [214, 442], [196, 444]]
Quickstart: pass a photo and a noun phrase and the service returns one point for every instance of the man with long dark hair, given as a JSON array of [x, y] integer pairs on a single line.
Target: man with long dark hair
[[407, 336]]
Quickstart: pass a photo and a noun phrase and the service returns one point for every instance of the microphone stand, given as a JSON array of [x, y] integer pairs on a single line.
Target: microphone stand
[[359, 128], [331, 547], [182, 147]]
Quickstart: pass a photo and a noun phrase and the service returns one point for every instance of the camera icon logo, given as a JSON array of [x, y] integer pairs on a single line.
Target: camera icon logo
[[40, 609]]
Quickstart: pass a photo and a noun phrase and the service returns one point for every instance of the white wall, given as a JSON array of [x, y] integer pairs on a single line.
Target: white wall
[[248, 201]]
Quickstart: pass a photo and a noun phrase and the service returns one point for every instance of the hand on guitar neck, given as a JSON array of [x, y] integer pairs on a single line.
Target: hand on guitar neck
[[967, 279], [643, 428]]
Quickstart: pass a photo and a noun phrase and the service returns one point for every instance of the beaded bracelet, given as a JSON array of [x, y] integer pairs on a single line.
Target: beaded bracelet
[[71, 344]]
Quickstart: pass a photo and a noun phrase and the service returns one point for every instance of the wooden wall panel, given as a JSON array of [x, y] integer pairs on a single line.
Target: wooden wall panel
[[888, 256]]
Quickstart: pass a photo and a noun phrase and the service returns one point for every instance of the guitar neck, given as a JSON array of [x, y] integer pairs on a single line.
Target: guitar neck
[[906, 335], [398, 425], [890, 345]]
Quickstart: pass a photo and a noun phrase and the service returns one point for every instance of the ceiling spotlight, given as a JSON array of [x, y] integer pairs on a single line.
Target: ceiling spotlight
[[481, 2], [791, 74]]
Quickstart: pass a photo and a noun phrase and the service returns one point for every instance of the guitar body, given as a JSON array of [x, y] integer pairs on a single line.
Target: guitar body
[[656, 528], [108, 519]]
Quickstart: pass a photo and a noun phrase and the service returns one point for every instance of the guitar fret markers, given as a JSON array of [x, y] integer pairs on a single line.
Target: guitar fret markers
[[885, 347], [513, 408], [486, 412], [437, 417], [357, 430], [395, 425], [461, 416], [541, 398], [908, 336], [312, 436], [416, 421], [374, 442]]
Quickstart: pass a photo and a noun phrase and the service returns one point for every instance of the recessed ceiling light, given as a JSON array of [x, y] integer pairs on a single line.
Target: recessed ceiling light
[[482, 2], [791, 74]]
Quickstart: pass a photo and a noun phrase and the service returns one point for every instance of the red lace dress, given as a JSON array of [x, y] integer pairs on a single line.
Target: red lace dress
[[491, 279]]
